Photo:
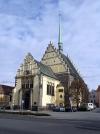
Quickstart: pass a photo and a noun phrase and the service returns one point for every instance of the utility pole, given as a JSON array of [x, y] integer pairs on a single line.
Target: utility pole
[[39, 86]]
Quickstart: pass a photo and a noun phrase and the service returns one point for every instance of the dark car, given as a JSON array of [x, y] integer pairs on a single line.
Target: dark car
[[74, 109], [59, 109], [69, 109]]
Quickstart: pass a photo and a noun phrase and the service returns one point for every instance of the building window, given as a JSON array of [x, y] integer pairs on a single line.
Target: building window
[[50, 89], [60, 90], [31, 83], [23, 83], [93, 96], [27, 83], [60, 96], [47, 89]]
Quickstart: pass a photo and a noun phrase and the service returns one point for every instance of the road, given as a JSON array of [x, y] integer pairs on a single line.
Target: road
[[19, 124]]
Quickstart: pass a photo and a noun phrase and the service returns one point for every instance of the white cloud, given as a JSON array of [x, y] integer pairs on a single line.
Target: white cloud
[[29, 26]]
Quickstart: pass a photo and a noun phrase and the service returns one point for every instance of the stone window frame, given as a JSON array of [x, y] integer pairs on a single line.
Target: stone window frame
[[50, 88], [27, 83]]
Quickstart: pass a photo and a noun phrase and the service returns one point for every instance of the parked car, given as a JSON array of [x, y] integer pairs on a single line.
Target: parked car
[[89, 106], [65, 109], [59, 109], [95, 106], [69, 109], [74, 108], [0, 107]]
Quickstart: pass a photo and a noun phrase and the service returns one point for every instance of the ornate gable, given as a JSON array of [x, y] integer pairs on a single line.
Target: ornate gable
[[58, 62], [54, 60], [28, 58], [28, 67]]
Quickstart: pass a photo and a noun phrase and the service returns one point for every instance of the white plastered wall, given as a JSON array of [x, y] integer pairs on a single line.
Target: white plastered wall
[[35, 90], [16, 92], [48, 99]]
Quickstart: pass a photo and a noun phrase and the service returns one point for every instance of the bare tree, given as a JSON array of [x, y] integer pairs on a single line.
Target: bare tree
[[79, 92]]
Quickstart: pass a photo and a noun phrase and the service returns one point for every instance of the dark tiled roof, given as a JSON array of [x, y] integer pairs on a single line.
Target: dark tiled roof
[[46, 70], [4, 89], [72, 69], [60, 85]]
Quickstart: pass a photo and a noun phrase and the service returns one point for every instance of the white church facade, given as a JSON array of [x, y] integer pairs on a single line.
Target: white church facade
[[45, 83]]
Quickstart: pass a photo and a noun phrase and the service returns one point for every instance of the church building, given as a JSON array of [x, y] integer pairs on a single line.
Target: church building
[[45, 83]]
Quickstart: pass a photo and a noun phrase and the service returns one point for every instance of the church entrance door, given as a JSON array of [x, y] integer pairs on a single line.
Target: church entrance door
[[27, 100]]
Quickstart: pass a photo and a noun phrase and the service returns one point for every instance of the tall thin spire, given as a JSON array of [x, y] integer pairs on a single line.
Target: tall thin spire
[[60, 44]]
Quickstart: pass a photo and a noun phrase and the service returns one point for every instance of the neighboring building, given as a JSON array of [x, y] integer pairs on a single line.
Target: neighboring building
[[5, 95], [98, 95], [47, 82], [93, 96]]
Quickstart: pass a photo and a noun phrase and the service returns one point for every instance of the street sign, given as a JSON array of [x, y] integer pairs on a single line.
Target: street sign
[[70, 98], [22, 101]]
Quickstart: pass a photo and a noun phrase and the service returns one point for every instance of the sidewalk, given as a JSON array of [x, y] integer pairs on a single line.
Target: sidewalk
[[89, 115]]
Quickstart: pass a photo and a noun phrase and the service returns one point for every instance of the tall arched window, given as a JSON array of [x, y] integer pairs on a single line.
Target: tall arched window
[[23, 83], [60, 96], [26, 83], [31, 83]]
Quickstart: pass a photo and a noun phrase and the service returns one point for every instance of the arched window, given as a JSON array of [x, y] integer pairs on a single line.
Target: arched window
[[26, 83], [23, 83], [60, 90], [60, 96], [31, 83], [48, 89]]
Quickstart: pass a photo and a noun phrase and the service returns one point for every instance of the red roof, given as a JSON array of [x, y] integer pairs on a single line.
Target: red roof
[[4, 89]]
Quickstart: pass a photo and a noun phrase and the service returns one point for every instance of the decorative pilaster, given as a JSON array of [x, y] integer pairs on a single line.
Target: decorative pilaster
[[31, 96], [20, 102]]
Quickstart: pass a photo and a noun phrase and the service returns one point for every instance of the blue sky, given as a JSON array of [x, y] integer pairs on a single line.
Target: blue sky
[[29, 26]]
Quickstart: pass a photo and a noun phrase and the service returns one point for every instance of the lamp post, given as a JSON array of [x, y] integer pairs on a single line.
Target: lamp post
[[13, 98], [70, 99], [39, 86]]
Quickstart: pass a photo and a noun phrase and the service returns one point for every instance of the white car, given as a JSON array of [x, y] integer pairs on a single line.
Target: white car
[[89, 106]]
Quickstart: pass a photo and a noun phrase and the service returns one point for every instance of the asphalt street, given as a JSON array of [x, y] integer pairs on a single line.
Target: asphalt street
[[19, 124]]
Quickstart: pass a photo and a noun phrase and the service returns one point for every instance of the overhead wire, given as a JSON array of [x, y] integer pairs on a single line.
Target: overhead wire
[[70, 79]]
